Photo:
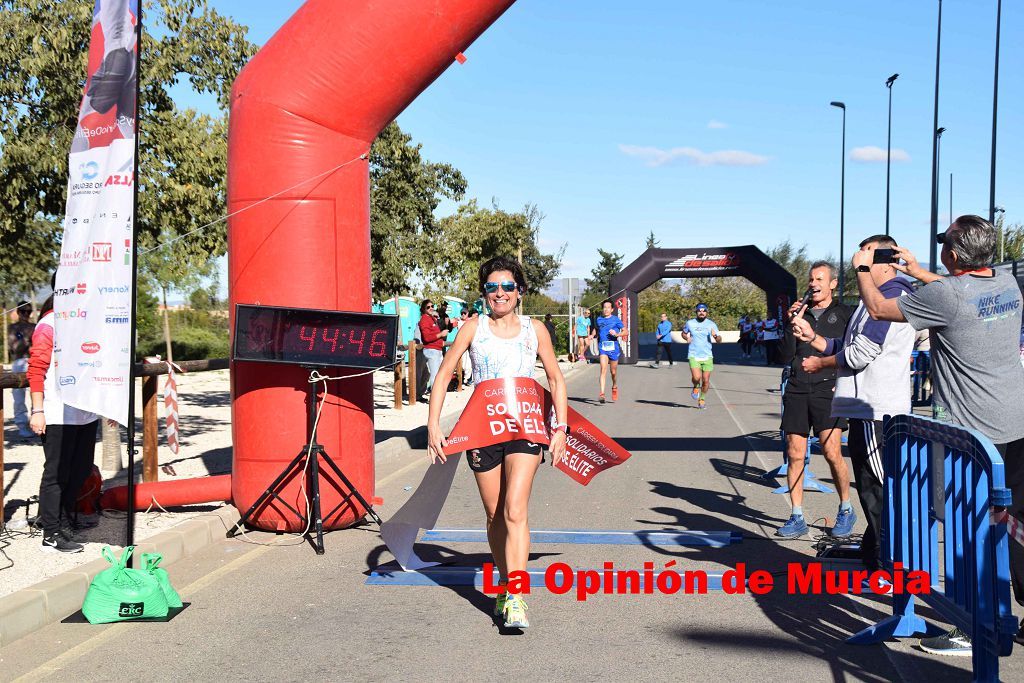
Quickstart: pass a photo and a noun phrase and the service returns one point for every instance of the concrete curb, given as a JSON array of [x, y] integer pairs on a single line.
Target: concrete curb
[[32, 608], [57, 598]]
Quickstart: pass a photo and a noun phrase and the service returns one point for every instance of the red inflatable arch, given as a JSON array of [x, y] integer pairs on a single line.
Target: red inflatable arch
[[308, 106]]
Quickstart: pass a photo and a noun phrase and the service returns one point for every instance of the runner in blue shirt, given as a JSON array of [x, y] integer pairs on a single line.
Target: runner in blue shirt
[[664, 338], [607, 328], [700, 333], [583, 327]]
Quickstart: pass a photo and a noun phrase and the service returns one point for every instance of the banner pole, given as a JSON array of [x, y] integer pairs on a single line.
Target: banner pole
[[129, 533]]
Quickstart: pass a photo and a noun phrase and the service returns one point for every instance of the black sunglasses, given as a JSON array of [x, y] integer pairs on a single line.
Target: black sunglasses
[[492, 287]]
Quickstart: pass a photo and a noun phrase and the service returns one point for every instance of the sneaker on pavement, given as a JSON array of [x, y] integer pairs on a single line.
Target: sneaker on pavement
[[499, 604], [55, 543], [695, 394], [601, 398], [68, 533], [794, 527], [515, 612], [615, 393], [956, 643], [701, 404], [843, 528]]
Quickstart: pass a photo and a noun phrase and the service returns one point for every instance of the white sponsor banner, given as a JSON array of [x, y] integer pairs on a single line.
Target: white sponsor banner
[[93, 292]]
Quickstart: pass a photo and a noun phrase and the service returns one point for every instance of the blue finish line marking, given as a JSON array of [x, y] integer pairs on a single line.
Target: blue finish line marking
[[474, 576], [714, 539]]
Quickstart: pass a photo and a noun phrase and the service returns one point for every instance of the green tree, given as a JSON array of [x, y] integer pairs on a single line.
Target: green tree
[[473, 235], [405, 190], [182, 154], [651, 242], [608, 266]]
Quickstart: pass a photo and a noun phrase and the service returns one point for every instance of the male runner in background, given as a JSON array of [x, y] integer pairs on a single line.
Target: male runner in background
[[746, 326], [663, 334], [607, 328], [583, 325], [700, 333]]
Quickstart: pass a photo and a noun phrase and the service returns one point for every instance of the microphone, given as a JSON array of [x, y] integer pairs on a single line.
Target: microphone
[[807, 298]]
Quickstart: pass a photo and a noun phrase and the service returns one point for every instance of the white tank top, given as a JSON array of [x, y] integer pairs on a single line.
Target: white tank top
[[497, 358]]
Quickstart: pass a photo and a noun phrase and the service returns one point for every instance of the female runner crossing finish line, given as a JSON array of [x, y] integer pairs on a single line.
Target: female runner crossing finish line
[[503, 345]]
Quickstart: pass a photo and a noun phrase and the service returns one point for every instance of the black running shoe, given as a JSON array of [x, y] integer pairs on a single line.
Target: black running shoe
[[956, 643], [55, 543], [68, 533]]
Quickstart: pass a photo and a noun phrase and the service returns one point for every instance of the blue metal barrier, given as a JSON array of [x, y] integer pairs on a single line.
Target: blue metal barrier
[[936, 473]]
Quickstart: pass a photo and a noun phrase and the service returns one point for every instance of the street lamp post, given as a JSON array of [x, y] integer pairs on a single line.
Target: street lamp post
[[1002, 229], [934, 223], [938, 166], [888, 150], [842, 202], [995, 109]]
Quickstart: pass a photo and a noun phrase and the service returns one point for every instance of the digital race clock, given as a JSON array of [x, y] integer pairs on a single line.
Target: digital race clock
[[302, 336]]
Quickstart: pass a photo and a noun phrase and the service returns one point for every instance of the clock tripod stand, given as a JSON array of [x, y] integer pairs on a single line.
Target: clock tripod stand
[[307, 462]]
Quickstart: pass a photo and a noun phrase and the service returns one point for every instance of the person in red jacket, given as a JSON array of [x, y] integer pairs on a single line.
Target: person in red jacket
[[433, 338], [69, 442]]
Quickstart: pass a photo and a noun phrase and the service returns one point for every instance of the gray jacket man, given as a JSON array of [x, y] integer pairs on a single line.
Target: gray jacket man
[[872, 362]]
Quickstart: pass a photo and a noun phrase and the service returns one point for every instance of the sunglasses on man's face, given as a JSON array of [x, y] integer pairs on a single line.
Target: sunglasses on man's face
[[492, 287]]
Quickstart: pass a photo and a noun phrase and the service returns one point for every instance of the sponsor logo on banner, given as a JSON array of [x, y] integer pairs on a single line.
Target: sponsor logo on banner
[[90, 364], [101, 252], [66, 380], [89, 170], [90, 347], [125, 179], [113, 380], [118, 289], [117, 320], [705, 261], [68, 315], [503, 410]]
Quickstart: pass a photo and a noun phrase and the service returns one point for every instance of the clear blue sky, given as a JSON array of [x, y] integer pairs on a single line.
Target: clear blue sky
[[710, 124]]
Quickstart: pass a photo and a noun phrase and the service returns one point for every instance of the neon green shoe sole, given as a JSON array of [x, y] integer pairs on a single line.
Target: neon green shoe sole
[[515, 612]]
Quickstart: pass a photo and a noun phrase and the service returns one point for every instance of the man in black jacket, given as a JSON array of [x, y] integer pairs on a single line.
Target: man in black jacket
[[807, 403]]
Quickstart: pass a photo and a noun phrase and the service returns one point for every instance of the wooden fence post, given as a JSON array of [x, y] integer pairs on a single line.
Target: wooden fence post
[[412, 373], [399, 372], [150, 427]]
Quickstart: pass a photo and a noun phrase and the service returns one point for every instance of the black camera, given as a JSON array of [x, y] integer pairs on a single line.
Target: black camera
[[885, 256]]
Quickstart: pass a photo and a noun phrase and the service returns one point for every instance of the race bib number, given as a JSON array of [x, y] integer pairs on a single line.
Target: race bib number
[[608, 345]]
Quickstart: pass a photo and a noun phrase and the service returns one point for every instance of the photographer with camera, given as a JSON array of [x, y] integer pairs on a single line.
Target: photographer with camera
[[974, 316], [807, 402], [872, 381]]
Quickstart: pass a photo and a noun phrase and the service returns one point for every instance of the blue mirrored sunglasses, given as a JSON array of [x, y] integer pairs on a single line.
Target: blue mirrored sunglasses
[[492, 287]]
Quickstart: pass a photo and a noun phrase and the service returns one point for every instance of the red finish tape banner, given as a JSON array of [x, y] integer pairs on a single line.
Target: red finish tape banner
[[502, 410]]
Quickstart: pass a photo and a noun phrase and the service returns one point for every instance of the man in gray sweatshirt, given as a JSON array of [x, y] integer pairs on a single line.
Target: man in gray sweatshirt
[[872, 363]]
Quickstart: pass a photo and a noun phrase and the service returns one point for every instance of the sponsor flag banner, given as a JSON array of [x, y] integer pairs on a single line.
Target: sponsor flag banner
[[93, 292], [502, 410]]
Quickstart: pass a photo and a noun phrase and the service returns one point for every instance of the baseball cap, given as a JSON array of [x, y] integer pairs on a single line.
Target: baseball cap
[[702, 307]]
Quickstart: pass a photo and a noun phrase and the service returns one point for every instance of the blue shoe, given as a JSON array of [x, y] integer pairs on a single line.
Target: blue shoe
[[793, 528], [843, 528]]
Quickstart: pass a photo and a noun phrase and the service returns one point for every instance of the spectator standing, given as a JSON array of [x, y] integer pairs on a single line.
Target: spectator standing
[[746, 326], [807, 401], [974, 316], [583, 325], [69, 443], [432, 337], [19, 341], [663, 335], [872, 381], [772, 332], [549, 325]]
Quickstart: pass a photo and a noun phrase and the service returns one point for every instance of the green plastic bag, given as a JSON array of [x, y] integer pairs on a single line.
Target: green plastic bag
[[122, 594], [151, 563]]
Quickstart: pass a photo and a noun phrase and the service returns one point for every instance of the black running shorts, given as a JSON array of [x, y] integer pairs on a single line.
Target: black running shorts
[[487, 458], [801, 412]]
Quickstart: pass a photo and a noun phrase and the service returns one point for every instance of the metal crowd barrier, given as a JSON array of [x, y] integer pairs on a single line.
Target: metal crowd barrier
[[935, 474]]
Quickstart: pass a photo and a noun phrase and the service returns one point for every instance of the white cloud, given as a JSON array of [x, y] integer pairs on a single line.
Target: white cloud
[[654, 156], [872, 154], [717, 125]]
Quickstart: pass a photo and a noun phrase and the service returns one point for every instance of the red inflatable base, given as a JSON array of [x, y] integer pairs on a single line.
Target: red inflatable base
[[170, 493]]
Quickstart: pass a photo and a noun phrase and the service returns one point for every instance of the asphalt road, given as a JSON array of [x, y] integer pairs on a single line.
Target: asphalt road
[[262, 613]]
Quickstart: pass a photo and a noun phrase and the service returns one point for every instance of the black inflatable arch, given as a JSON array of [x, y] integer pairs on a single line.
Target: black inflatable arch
[[748, 261]]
